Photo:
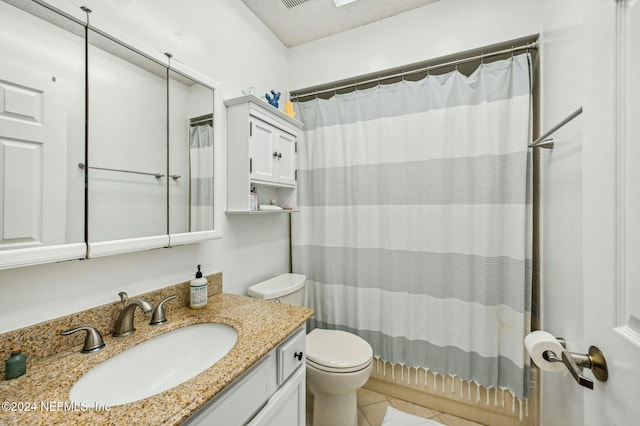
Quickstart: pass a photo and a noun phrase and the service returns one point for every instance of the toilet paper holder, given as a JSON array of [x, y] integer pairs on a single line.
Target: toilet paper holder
[[575, 363]]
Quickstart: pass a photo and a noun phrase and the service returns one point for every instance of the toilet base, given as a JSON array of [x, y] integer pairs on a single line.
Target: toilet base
[[334, 409], [335, 395]]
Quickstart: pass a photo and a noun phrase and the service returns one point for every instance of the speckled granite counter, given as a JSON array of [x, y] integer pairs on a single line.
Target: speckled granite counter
[[39, 394]]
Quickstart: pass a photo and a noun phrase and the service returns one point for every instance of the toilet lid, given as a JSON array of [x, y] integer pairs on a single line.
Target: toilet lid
[[336, 350]]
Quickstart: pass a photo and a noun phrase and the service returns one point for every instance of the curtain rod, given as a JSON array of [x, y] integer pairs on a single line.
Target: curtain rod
[[428, 68]]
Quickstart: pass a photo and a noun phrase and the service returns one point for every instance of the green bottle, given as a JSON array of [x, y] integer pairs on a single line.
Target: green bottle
[[16, 365]]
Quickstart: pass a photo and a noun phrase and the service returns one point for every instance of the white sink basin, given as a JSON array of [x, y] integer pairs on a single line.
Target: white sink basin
[[155, 365]]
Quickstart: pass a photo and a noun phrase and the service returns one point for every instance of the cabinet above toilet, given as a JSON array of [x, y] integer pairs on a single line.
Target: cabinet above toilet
[[262, 154]]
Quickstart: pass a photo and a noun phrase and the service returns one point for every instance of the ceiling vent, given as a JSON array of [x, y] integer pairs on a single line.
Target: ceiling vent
[[290, 4]]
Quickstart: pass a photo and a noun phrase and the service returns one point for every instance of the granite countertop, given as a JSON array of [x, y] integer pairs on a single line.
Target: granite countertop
[[38, 397]]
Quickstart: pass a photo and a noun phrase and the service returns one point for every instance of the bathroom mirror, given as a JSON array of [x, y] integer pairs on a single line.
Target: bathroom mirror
[[42, 94], [191, 158], [139, 175], [127, 148]]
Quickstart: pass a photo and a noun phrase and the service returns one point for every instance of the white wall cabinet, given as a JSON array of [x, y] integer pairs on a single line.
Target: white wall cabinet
[[271, 393], [262, 153]]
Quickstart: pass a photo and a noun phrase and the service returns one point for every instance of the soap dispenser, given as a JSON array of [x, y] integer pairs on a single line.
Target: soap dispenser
[[199, 291]]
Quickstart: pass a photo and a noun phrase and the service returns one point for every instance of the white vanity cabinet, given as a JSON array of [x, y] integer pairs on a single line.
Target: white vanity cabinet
[[262, 154], [271, 393]]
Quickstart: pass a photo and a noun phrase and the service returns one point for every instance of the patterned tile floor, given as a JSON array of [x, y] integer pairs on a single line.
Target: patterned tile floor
[[373, 405]]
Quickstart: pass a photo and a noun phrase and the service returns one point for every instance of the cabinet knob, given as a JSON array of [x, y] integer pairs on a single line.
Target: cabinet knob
[[275, 154], [298, 356], [279, 155]]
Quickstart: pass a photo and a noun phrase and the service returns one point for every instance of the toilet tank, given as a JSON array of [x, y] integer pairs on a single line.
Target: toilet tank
[[285, 288]]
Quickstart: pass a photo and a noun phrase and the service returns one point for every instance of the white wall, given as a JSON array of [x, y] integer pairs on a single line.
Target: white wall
[[226, 42], [438, 29], [561, 199]]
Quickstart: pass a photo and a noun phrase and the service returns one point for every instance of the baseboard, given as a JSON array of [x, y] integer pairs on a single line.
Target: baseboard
[[469, 402]]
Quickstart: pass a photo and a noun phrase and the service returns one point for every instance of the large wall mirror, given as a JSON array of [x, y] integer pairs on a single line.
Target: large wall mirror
[[146, 153], [127, 148], [42, 94]]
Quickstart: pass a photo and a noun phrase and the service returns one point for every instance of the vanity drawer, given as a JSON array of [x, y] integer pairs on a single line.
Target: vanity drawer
[[291, 355]]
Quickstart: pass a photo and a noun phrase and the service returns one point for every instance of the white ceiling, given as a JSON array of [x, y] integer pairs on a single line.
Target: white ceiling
[[296, 22]]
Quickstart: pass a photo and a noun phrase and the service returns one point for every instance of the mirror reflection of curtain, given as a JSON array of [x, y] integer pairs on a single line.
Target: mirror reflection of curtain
[[201, 177]]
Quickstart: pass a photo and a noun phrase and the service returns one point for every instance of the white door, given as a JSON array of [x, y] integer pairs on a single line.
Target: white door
[[611, 196], [33, 168]]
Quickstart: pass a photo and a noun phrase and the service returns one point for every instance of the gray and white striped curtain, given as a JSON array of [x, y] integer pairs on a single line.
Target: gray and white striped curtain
[[415, 222], [201, 177]]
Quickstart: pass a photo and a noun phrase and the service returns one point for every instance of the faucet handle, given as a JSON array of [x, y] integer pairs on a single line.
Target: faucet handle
[[158, 316], [92, 342]]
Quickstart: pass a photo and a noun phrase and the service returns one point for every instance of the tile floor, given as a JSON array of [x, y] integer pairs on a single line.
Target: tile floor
[[373, 405]]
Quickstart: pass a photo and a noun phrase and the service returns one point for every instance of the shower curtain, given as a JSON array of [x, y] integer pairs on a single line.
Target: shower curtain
[[201, 177], [415, 221]]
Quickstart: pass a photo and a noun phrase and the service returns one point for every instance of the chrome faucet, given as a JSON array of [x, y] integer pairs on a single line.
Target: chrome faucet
[[124, 324]]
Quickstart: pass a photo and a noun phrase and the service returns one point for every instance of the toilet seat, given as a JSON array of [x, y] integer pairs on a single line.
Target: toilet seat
[[328, 369], [337, 351]]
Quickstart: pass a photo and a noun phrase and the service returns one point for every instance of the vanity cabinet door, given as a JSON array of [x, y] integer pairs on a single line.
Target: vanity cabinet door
[[287, 406], [236, 404]]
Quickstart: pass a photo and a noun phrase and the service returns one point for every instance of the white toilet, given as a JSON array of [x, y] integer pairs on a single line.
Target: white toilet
[[338, 363]]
